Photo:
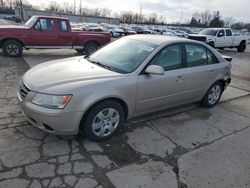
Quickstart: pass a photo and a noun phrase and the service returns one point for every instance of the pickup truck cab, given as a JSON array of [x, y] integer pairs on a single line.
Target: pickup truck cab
[[222, 38], [45, 32]]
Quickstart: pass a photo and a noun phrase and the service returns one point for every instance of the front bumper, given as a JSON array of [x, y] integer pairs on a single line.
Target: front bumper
[[54, 121]]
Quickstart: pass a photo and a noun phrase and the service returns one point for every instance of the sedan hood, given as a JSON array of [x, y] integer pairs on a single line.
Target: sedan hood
[[65, 72]]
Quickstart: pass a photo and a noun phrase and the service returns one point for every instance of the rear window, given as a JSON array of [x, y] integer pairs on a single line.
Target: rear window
[[229, 32], [63, 27], [198, 56]]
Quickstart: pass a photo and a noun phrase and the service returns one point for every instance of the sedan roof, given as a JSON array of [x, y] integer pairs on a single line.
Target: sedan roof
[[158, 39]]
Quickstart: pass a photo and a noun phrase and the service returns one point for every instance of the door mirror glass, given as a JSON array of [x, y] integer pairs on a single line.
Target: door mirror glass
[[154, 69], [221, 33]]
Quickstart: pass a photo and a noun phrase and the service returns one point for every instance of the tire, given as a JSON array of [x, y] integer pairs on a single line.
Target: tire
[[242, 47], [12, 48], [79, 51], [90, 48], [213, 95], [211, 44], [101, 115], [112, 34]]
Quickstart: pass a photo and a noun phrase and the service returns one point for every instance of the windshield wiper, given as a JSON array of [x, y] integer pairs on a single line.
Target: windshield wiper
[[99, 64]]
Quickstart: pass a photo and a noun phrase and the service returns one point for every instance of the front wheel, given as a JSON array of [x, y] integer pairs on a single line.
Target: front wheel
[[213, 95], [103, 120], [91, 47], [12, 48]]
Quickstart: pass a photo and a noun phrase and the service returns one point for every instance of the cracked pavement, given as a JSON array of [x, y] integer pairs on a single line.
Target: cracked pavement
[[189, 148]]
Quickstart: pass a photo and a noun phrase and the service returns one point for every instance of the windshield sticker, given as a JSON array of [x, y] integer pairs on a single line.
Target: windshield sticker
[[146, 48]]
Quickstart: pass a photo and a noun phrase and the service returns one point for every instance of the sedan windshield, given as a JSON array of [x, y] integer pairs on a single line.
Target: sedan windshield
[[211, 32], [31, 22], [123, 55]]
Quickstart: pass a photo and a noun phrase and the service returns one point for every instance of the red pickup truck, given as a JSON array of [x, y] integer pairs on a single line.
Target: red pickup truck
[[45, 32]]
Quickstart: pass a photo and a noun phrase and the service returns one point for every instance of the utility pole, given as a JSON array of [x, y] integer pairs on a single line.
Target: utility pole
[[141, 10], [74, 6], [80, 7], [21, 10], [181, 15]]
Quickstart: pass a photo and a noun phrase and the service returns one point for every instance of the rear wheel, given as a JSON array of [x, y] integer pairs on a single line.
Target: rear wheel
[[12, 48], [103, 120], [213, 95], [90, 48], [241, 47]]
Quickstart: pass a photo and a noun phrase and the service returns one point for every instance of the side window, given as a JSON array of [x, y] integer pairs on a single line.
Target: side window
[[196, 55], [169, 58], [229, 32], [211, 59], [63, 27], [44, 25], [221, 33]]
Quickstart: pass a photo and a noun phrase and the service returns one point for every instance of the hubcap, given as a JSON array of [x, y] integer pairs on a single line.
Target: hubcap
[[12, 49], [214, 94], [105, 122], [92, 49]]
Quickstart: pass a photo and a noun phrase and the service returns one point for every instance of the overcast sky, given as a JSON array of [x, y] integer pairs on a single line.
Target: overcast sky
[[170, 9]]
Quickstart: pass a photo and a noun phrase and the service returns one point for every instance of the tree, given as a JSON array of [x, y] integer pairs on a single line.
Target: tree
[[54, 7], [216, 21], [229, 21], [193, 22]]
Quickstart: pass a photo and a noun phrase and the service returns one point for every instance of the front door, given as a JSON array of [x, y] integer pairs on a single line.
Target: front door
[[162, 91], [221, 39], [43, 33]]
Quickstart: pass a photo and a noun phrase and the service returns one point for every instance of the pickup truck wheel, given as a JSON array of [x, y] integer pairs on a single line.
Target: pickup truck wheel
[[12, 48], [90, 48], [103, 120], [242, 47]]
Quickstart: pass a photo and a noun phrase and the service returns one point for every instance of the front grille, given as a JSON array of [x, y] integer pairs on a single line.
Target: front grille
[[23, 89], [198, 38]]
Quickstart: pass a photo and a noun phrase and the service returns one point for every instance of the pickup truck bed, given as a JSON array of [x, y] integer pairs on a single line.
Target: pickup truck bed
[[44, 32]]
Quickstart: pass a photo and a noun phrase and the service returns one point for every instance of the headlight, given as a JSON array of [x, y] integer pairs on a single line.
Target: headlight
[[51, 101]]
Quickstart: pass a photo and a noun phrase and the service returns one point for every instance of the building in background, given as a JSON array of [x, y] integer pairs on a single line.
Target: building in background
[[27, 13]]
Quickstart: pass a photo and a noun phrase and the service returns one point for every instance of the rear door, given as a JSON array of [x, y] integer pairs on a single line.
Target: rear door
[[162, 91], [65, 36], [201, 71], [43, 33], [229, 38]]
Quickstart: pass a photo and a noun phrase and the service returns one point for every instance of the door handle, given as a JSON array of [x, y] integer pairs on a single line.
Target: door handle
[[179, 79]]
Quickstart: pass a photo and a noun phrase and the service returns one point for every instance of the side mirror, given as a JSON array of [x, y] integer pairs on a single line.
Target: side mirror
[[220, 35], [154, 69]]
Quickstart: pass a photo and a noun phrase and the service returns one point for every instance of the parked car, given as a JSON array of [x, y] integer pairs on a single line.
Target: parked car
[[128, 31], [222, 38], [132, 76], [115, 31], [44, 32], [142, 30]]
